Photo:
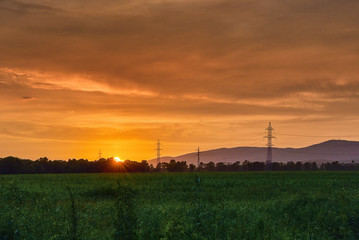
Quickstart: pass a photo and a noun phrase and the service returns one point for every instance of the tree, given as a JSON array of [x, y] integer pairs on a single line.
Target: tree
[[192, 167], [210, 166]]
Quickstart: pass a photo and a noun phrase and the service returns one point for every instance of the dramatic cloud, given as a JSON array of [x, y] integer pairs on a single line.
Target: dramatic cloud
[[95, 73]]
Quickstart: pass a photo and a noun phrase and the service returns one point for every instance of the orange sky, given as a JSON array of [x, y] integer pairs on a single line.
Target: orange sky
[[77, 76]]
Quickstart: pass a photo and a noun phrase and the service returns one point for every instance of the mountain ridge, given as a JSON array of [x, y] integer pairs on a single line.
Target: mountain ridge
[[327, 151]]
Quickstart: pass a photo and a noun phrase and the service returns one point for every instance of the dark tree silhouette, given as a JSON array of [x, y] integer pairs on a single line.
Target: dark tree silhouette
[[14, 165]]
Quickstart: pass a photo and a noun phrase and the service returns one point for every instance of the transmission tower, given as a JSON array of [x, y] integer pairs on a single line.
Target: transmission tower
[[198, 161], [269, 136], [99, 155], [158, 149]]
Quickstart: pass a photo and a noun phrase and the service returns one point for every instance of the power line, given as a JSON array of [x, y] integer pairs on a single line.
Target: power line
[[329, 154], [326, 136]]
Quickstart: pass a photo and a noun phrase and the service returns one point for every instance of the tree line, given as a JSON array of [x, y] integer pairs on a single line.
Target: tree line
[[14, 165]]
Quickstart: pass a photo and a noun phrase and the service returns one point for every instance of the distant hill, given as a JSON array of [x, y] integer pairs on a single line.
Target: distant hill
[[332, 150]]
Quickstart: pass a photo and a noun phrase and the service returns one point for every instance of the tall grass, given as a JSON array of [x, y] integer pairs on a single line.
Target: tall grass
[[126, 219], [73, 216], [296, 205]]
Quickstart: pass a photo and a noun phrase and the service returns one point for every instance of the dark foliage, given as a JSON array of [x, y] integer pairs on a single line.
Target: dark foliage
[[14, 165]]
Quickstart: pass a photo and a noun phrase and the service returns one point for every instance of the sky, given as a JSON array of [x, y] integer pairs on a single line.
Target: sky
[[77, 76]]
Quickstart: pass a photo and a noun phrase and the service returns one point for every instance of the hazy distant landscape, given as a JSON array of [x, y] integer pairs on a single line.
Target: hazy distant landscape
[[332, 150], [330, 155]]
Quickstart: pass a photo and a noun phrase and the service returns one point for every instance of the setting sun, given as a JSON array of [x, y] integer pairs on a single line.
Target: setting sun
[[117, 159]]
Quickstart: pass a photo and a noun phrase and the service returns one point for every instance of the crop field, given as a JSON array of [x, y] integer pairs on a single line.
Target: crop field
[[251, 205]]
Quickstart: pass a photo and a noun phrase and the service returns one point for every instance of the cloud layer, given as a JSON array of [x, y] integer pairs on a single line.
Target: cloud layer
[[102, 74]]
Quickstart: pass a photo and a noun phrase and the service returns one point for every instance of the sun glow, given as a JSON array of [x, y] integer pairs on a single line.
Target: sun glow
[[117, 159]]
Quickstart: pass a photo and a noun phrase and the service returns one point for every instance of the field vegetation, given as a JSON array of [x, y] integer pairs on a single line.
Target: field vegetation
[[205, 205]]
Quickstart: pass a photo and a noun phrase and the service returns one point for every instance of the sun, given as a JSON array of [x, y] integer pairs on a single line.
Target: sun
[[117, 159]]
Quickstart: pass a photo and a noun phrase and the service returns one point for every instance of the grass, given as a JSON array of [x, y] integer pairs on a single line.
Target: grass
[[253, 205]]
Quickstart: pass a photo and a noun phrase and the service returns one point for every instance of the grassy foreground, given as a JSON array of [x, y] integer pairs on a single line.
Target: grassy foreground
[[275, 205]]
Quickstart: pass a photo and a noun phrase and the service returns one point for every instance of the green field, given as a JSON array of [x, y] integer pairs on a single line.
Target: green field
[[262, 205]]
